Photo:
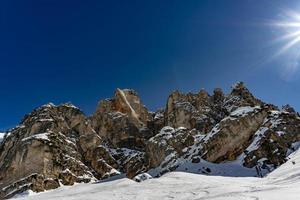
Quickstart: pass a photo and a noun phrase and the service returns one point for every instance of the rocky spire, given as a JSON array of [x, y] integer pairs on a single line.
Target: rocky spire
[[218, 96], [121, 119], [240, 96], [128, 102]]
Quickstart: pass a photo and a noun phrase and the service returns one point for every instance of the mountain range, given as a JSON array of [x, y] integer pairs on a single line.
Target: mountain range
[[228, 135]]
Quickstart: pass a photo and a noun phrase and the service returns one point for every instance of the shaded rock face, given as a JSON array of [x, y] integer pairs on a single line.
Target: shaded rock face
[[59, 145], [167, 142], [158, 121]]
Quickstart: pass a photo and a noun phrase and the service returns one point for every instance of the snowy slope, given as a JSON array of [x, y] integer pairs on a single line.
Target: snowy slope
[[283, 183], [1, 136]]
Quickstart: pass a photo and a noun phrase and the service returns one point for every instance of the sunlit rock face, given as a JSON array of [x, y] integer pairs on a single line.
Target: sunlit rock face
[[196, 132], [200, 111], [232, 135], [236, 127], [43, 149], [277, 137], [123, 120]]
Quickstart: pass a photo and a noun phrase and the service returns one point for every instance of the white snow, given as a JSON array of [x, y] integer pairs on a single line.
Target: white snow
[[283, 183], [142, 177], [1, 136], [213, 132], [257, 137], [48, 105], [242, 111], [165, 133], [275, 118], [158, 116], [69, 105], [41, 136], [126, 153], [45, 120]]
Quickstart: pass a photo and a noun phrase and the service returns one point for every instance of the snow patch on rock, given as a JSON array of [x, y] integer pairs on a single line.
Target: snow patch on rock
[[40, 136]]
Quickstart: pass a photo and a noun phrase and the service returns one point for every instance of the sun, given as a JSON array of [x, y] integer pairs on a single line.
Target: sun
[[291, 27]]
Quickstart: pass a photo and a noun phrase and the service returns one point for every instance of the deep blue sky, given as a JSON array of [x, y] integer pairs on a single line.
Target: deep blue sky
[[80, 51]]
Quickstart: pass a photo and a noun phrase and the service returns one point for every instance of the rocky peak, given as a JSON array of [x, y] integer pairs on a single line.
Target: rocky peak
[[240, 96], [240, 90], [198, 111], [218, 96], [127, 101], [288, 108], [202, 100], [203, 94], [122, 120]]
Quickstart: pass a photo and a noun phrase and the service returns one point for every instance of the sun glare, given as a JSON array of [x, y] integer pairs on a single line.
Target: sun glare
[[291, 26]]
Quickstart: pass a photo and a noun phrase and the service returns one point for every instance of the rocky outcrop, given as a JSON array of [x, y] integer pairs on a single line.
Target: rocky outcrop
[[44, 144], [277, 138], [123, 120], [200, 111], [168, 141], [240, 96], [59, 145], [231, 136]]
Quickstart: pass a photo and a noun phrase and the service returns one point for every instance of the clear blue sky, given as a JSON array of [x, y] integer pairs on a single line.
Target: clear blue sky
[[80, 51]]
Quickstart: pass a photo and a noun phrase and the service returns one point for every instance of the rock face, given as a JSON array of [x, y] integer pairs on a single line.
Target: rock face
[[42, 148], [231, 136], [277, 137], [123, 120], [59, 145], [168, 141]]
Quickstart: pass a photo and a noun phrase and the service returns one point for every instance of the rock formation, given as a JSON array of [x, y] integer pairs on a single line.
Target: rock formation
[[59, 145], [123, 120]]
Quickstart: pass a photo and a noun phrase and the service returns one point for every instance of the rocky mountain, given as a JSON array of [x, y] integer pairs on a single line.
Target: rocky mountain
[[231, 134]]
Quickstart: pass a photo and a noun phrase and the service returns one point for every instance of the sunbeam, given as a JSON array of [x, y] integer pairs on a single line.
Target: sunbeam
[[291, 28]]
